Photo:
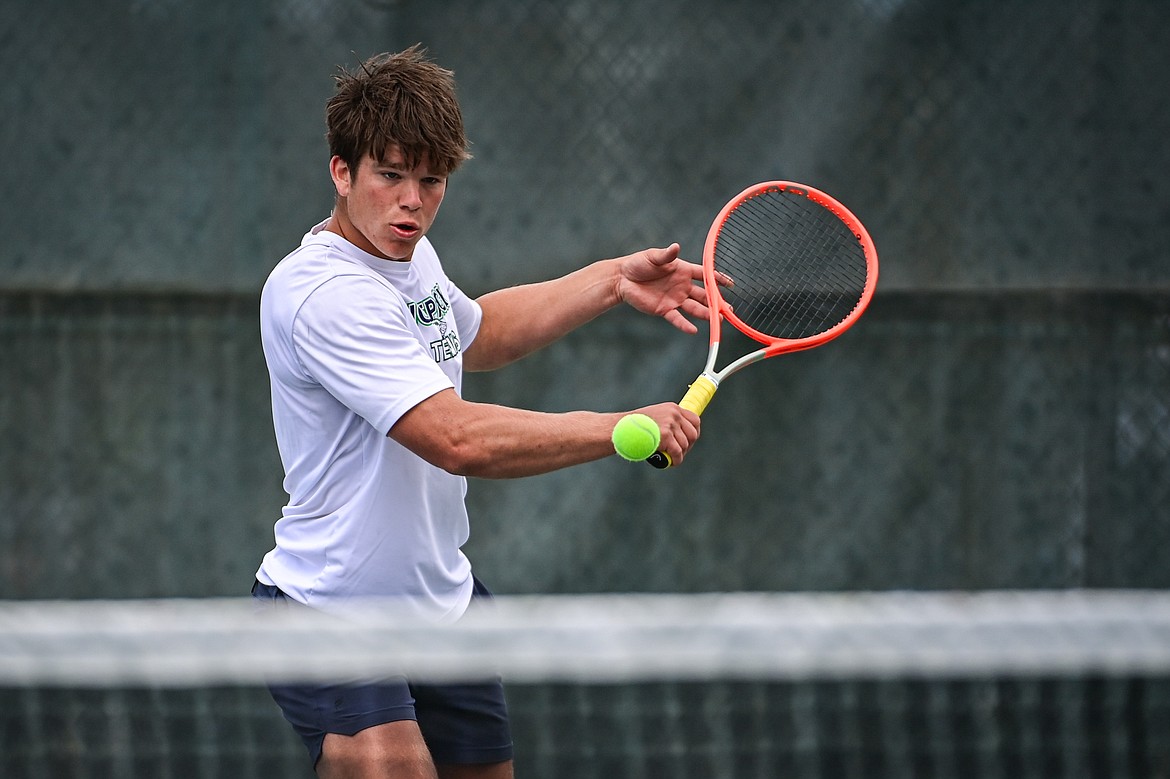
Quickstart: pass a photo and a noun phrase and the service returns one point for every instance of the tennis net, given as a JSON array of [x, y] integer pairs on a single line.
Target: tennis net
[[992, 684]]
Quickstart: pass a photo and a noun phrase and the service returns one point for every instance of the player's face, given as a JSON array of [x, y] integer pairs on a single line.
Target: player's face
[[389, 204]]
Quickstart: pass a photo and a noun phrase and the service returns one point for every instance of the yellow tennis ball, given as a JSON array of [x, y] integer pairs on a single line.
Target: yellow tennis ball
[[636, 437]]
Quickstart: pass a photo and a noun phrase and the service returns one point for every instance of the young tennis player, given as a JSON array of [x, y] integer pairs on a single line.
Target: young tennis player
[[366, 340]]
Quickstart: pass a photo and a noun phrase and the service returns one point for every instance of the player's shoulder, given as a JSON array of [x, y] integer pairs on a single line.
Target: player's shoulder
[[314, 279], [319, 259]]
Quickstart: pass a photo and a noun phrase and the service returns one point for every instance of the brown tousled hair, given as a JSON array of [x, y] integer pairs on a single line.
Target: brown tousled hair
[[402, 99]]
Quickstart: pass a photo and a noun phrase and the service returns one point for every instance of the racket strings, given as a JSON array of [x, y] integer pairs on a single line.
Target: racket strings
[[798, 270]]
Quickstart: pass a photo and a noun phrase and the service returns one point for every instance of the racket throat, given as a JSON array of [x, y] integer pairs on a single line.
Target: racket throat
[[700, 393]]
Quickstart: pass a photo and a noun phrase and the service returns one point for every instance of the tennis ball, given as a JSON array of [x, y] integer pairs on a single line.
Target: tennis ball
[[636, 437]]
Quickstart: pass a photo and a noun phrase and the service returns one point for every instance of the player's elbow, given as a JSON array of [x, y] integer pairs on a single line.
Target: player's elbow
[[451, 434], [461, 455], [440, 430]]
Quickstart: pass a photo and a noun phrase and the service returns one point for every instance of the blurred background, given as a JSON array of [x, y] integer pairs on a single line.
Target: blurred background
[[999, 419]]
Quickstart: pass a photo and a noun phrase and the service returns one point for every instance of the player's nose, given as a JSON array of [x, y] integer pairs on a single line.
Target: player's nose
[[410, 196]]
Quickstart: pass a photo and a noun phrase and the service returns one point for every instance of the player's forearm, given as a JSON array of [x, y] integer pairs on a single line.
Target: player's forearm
[[520, 320], [493, 442], [539, 444]]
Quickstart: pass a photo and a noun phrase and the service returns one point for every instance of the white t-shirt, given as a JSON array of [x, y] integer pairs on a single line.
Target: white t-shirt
[[352, 343]]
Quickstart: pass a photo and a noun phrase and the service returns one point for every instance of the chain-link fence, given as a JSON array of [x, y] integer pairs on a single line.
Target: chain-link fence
[[160, 143]]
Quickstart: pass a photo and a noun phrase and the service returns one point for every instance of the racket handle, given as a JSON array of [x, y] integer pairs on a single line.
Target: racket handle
[[698, 396]]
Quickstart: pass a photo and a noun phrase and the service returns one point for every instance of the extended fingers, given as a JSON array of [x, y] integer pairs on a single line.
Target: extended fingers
[[695, 306], [697, 292], [680, 322]]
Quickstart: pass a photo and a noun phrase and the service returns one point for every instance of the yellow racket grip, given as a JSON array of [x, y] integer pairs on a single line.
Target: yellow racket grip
[[698, 395]]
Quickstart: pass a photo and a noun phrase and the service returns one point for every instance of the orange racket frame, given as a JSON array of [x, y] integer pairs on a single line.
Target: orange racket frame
[[699, 394]]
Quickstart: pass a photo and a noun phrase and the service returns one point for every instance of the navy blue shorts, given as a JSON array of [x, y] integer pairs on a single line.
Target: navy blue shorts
[[461, 723]]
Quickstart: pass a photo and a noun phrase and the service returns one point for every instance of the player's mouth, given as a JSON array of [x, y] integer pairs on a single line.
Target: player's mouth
[[405, 230]]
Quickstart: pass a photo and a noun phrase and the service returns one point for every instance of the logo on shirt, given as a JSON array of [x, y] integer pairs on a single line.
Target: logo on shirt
[[432, 311]]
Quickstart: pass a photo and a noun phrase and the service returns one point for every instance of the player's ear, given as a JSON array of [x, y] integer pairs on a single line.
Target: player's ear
[[342, 175]]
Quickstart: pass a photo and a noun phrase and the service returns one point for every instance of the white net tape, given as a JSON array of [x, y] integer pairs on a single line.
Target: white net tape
[[598, 638]]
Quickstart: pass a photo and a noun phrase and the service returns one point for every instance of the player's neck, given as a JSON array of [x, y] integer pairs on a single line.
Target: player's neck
[[340, 224]]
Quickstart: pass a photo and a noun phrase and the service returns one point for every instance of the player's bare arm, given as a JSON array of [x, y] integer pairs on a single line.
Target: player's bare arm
[[496, 442], [520, 320]]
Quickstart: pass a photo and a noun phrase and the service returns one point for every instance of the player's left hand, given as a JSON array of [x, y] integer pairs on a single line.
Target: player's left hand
[[660, 283]]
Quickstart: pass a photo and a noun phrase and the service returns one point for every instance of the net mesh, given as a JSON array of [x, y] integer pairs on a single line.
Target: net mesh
[[1007, 684], [798, 270]]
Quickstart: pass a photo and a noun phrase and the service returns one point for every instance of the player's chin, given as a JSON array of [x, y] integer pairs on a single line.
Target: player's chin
[[396, 249]]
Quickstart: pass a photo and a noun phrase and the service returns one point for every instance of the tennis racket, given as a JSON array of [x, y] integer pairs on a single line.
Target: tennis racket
[[802, 270]]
